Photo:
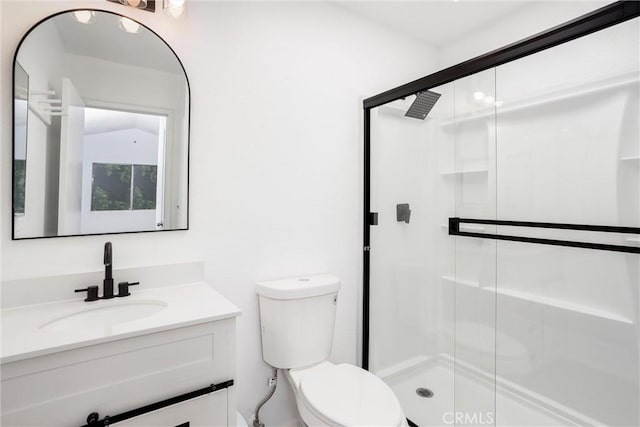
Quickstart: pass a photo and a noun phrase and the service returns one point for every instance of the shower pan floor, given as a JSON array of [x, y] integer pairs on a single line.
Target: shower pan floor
[[475, 397]]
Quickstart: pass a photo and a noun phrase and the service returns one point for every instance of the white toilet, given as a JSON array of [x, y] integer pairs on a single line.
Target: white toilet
[[297, 317]]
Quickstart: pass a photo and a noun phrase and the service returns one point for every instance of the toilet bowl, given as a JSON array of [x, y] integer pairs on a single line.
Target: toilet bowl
[[344, 395], [297, 319]]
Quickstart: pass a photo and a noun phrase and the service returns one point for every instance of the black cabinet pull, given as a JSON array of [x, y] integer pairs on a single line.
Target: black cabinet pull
[[93, 421]]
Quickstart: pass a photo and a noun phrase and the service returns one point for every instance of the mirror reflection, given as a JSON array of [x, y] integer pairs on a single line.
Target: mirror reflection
[[20, 138], [101, 114]]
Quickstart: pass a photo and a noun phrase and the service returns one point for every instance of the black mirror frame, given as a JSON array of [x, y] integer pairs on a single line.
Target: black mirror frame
[[13, 116]]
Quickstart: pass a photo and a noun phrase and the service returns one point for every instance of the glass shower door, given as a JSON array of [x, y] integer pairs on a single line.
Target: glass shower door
[[473, 181], [412, 300], [568, 151], [510, 323], [432, 296]]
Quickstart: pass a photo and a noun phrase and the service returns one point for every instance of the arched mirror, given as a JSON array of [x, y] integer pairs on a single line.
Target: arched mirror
[[101, 129]]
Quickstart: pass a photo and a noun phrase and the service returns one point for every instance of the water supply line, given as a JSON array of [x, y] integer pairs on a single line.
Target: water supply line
[[273, 383]]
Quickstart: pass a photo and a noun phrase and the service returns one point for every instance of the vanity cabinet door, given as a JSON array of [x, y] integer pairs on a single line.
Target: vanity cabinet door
[[61, 389], [205, 411]]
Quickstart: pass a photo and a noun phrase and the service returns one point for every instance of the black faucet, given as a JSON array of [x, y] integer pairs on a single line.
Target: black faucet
[[107, 283]]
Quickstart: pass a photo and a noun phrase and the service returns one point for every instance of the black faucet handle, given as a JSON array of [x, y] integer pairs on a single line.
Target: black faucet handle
[[123, 288], [92, 293]]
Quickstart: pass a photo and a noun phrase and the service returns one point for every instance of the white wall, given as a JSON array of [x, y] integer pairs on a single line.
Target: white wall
[[534, 18], [70, 172], [290, 148], [276, 154]]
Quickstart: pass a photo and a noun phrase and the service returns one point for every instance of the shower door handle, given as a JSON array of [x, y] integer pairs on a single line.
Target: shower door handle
[[373, 218], [454, 230]]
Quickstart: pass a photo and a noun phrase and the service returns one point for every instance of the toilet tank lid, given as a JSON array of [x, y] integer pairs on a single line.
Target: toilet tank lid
[[299, 287]]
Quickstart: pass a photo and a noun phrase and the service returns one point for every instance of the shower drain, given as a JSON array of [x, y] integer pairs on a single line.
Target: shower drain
[[424, 392]]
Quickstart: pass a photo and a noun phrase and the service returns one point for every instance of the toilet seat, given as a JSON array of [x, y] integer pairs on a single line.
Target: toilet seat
[[346, 395]]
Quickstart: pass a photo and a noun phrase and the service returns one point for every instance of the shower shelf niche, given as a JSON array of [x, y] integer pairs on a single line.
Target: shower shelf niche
[[631, 159], [550, 97], [462, 282], [543, 300], [464, 172]]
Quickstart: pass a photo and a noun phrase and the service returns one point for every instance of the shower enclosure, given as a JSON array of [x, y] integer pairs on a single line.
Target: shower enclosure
[[502, 233]]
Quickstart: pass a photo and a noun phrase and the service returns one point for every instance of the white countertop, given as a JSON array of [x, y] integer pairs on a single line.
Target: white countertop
[[188, 304]]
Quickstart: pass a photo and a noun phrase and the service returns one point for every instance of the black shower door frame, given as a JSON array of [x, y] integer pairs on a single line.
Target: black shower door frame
[[597, 20]]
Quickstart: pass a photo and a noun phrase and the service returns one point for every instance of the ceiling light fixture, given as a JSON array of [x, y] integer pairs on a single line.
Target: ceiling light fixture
[[85, 16], [129, 25], [174, 8], [140, 4], [478, 96]]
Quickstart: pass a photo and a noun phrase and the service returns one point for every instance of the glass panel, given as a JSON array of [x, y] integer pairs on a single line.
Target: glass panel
[[111, 187], [473, 172], [569, 151], [412, 303], [144, 186], [475, 332]]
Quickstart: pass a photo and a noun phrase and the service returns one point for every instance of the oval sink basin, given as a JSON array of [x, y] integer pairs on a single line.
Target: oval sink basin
[[104, 316]]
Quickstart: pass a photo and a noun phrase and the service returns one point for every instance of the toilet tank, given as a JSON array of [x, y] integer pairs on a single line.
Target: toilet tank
[[297, 318]]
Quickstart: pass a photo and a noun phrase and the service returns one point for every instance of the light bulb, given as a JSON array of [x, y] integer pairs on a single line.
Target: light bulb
[[478, 96], [84, 16], [175, 8], [128, 25], [140, 4]]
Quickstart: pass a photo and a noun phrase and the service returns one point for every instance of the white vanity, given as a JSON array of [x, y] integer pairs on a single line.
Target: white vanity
[[149, 359]]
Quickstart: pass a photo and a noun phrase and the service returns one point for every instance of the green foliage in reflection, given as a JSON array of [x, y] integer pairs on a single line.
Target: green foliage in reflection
[[111, 187], [19, 172], [144, 186]]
